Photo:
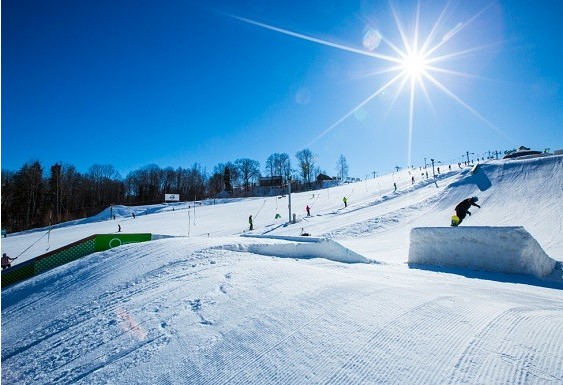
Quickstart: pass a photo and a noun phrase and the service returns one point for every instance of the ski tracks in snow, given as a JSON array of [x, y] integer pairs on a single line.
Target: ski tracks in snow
[[219, 317], [119, 329], [506, 349]]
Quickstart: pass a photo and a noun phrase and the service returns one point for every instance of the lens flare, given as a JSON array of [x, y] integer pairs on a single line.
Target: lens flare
[[411, 66], [372, 39]]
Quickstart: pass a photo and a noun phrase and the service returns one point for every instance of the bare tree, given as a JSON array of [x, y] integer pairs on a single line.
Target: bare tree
[[29, 189], [55, 189], [101, 175], [271, 164], [196, 182], [145, 185], [216, 182], [284, 166], [72, 190], [230, 176], [169, 181], [279, 165], [306, 160], [249, 169], [8, 200], [342, 167]]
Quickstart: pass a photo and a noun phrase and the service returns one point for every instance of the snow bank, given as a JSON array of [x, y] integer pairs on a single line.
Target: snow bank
[[302, 248], [497, 249]]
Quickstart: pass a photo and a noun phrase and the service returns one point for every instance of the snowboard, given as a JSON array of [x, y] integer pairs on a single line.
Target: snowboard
[[455, 220]]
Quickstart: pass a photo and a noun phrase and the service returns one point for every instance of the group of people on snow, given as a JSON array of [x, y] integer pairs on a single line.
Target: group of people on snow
[[461, 210], [307, 209]]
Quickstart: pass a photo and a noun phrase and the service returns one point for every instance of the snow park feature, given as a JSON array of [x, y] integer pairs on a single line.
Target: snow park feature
[[304, 248], [509, 250], [343, 305], [68, 253]]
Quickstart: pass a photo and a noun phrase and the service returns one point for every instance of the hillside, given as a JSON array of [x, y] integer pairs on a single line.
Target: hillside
[[342, 306]]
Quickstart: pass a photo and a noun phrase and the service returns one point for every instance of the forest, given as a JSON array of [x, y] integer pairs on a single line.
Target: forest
[[34, 197]]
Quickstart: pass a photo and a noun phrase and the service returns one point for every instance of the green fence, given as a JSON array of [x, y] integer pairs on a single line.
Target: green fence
[[68, 253]]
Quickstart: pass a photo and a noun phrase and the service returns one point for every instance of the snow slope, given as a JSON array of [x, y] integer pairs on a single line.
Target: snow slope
[[212, 307]]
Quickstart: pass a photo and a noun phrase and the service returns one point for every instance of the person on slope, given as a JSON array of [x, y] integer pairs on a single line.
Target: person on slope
[[462, 209], [6, 261]]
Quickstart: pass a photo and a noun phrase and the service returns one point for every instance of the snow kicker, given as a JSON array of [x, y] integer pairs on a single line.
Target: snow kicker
[[509, 250], [302, 248]]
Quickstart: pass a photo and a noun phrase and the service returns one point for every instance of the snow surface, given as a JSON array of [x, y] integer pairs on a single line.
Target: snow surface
[[342, 306]]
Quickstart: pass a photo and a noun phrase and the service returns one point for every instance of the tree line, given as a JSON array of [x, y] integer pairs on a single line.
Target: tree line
[[36, 197]]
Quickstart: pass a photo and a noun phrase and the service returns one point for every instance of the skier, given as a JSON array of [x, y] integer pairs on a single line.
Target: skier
[[395, 186], [308, 210], [6, 261], [345, 201], [412, 179], [462, 208], [250, 223], [118, 228]]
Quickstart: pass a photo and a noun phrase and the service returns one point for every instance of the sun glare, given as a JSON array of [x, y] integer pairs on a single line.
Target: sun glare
[[409, 62], [415, 65]]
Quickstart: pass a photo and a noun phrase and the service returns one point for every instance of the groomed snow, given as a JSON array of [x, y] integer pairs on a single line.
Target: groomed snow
[[342, 306]]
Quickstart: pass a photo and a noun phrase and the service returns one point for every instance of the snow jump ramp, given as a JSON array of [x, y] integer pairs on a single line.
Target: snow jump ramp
[[509, 250]]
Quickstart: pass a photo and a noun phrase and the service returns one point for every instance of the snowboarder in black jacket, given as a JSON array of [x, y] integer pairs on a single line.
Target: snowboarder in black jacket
[[462, 209]]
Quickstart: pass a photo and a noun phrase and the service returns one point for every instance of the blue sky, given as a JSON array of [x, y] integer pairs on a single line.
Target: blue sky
[[130, 83]]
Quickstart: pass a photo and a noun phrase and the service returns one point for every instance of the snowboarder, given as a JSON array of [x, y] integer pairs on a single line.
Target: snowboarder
[[250, 223], [6, 261], [345, 201], [462, 209], [308, 210]]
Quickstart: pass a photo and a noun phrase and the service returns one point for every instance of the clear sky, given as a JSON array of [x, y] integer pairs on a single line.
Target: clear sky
[[130, 83]]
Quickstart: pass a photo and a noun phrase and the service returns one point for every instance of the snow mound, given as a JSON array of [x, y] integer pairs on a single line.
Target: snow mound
[[302, 248], [509, 250]]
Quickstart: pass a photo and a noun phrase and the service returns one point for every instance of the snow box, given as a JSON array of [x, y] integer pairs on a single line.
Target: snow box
[[509, 250]]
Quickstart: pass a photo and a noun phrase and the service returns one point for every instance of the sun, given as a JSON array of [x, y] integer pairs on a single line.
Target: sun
[[415, 65]]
